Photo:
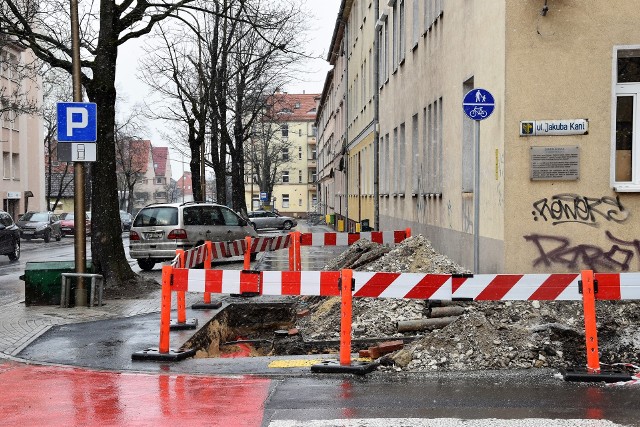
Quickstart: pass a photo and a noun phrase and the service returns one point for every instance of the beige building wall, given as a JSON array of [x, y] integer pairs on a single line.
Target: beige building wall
[[426, 154], [332, 133], [21, 142], [561, 66], [359, 47]]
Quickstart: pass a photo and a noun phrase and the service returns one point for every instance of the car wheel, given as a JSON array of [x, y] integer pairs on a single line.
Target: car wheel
[[146, 264], [15, 255], [287, 225], [47, 236]]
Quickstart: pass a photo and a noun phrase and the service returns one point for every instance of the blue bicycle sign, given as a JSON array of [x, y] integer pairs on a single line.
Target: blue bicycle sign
[[478, 104]]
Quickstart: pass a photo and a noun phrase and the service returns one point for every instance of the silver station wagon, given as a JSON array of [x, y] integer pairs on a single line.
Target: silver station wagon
[[159, 229]]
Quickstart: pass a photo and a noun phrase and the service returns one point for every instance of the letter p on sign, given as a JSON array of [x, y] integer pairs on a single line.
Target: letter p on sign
[[77, 122]]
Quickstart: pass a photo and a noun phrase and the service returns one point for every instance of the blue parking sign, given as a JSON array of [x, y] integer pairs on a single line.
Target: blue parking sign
[[77, 122]]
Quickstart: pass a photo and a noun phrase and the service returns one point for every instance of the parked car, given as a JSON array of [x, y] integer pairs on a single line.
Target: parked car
[[125, 220], [40, 225], [159, 229], [9, 237], [268, 219], [68, 224]]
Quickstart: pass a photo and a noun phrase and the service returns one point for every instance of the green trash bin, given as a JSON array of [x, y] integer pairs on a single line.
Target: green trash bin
[[332, 218], [43, 280]]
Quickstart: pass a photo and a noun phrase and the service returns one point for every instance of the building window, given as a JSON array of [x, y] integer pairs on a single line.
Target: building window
[[6, 165], [415, 155], [285, 176], [299, 177], [396, 162], [403, 31], [626, 173], [396, 22], [15, 164], [415, 23], [314, 131], [285, 200], [299, 153], [299, 202], [284, 129], [285, 154], [313, 154], [160, 180], [468, 149], [313, 177], [300, 132]]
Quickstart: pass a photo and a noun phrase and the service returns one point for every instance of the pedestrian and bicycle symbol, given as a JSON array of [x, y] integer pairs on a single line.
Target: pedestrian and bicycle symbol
[[478, 104]]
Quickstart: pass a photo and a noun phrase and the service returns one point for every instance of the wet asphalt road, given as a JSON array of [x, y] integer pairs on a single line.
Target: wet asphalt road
[[251, 392]]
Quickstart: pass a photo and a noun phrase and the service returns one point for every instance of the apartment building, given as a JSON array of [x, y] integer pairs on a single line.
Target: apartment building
[[556, 185], [21, 136], [293, 126]]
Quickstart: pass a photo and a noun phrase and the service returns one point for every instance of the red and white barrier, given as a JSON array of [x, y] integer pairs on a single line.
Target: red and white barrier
[[480, 287], [348, 239]]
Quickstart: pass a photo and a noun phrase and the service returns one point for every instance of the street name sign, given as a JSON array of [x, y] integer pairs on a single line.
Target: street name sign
[[554, 127]]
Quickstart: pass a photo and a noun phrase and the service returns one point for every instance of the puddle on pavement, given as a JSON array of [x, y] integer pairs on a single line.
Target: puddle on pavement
[[250, 330]]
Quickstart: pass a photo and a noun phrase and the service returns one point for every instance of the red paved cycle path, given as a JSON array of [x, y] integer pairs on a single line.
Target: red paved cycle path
[[59, 396]]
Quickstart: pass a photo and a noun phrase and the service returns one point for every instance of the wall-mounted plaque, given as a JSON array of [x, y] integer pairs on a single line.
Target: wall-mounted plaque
[[555, 163]]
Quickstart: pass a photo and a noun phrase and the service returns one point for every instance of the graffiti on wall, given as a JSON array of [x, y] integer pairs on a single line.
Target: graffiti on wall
[[617, 255], [573, 208]]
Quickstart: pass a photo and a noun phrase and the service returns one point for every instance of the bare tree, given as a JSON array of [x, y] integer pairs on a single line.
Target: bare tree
[[56, 87], [43, 27], [130, 155], [249, 69], [267, 151], [214, 82], [18, 79]]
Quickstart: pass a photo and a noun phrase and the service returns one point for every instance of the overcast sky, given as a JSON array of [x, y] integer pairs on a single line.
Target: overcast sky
[[322, 15]]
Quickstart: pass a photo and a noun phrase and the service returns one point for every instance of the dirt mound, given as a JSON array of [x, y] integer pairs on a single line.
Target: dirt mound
[[488, 335]]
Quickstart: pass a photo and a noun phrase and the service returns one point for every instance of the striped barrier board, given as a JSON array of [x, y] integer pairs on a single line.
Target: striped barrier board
[[347, 239], [480, 287]]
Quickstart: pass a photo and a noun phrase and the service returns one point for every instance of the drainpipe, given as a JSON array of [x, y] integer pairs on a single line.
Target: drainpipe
[[376, 122], [345, 40]]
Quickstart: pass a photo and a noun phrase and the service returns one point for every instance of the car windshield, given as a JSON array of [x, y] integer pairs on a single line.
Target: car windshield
[[35, 216], [67, 216], [160, 216]]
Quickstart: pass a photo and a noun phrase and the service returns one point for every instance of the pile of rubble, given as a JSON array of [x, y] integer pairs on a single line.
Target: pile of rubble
[[481, 335]]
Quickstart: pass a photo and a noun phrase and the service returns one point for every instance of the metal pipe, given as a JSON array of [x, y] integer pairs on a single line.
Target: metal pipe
[[376, 117], [476, 203], [424, 324], [80, 244]]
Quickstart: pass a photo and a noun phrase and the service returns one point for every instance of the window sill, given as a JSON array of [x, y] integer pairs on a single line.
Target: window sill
[[627, 188], [415, 46], [402, 62]]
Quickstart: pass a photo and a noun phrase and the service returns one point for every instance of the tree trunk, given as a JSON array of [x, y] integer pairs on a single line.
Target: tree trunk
[[107, 251]]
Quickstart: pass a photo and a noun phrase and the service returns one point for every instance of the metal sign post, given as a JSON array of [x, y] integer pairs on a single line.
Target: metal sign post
[[478, 104], [77, 124]]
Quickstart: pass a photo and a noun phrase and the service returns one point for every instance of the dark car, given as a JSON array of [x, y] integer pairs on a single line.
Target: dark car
[[125, 220], [40, 225], [9, 237], [68, 225]]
